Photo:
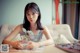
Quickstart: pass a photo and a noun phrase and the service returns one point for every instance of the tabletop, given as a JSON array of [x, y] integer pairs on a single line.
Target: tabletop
[[45, 49]]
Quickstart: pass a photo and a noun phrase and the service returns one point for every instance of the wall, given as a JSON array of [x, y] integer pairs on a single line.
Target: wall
[[12, 11]]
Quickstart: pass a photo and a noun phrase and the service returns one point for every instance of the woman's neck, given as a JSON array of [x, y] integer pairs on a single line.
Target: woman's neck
[[33, 26]]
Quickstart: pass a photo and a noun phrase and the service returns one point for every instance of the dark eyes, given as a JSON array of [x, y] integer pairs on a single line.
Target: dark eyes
[[31, 14]]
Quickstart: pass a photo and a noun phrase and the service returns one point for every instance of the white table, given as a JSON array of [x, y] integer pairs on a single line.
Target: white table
[[46, 49]]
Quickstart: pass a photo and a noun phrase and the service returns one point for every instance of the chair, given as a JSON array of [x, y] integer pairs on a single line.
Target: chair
[[61, 32]]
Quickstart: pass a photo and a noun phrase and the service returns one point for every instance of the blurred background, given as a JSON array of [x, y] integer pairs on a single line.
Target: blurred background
[[12, 11]]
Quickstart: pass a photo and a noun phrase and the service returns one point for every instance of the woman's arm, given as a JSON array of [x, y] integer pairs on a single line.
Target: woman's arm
[[48, 37], [11, 36]]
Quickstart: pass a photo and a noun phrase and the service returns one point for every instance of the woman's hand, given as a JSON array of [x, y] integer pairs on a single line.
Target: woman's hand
[[17, 45], [31, 45]]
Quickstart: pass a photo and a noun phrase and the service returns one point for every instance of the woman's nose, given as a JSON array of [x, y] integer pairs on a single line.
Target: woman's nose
[[31, 16]]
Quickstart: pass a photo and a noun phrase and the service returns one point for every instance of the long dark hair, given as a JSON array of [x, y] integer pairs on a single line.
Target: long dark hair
[[34, 7]]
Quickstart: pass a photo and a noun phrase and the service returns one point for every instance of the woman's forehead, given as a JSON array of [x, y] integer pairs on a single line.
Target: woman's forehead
[[31, 11]]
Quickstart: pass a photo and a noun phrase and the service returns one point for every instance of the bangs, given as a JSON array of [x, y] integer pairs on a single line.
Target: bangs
[[32, 10]]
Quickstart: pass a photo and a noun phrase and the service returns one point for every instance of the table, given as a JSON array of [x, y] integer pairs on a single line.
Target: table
[[46, 49], [67, 48], [70, 50]]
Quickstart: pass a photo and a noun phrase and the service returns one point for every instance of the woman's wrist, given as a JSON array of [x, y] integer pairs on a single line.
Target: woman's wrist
[[40, 44]]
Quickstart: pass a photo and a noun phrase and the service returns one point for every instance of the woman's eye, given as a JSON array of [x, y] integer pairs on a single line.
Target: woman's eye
[[27, 14], [33, 13]]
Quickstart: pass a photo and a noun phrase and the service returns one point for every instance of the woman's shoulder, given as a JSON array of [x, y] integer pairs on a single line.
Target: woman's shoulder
[[19, 27], [45, 28]]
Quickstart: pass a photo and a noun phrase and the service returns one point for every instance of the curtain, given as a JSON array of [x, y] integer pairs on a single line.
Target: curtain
[[57, 12], [77, 20], [71, 16]]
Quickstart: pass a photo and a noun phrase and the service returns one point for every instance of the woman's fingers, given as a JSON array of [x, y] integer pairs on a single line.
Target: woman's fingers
[[29, 47], [18, 45], [30, 42]]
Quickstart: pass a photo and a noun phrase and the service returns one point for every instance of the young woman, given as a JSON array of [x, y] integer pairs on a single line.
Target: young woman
[[32, 17]]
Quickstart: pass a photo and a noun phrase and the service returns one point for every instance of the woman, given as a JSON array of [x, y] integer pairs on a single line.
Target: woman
[[32, 17]]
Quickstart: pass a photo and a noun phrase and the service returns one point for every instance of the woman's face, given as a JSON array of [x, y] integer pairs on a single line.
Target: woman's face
[[32, 16]]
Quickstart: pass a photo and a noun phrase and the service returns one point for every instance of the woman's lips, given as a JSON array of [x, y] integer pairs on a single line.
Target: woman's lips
[[31, 20]]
